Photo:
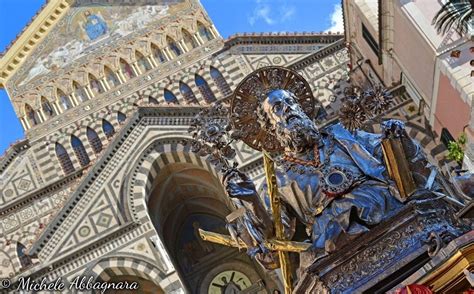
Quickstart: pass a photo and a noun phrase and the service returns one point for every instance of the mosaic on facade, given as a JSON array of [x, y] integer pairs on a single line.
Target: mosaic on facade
[[87, 28]]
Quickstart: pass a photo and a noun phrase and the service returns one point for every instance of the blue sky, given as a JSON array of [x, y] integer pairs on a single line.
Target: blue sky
[[229, 17]]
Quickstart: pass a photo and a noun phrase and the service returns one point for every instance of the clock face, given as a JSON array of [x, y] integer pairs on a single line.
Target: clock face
[[229, 282]]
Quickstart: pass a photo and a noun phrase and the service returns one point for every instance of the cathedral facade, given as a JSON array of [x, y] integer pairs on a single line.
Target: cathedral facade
[[102, 186]]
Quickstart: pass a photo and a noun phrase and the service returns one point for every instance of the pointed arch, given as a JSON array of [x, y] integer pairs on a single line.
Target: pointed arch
[[111, 77], [108, 129], [220, 82], [64, 159], [204, 89], [170, 97], [204, 32], [48, 109], [152, 100], [157, 53], [79, 92], [94, 140], [126, 69], [80, 151], [173, 47], [64, 100], [95, 85], [25, 260], [121, 117], [142, 62], [31, 115], [187, 93], [189, 40]]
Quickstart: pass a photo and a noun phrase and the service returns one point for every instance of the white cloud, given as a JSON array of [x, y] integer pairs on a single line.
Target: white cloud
[[337, 23], [287, 12], [264, 12], [261, 12]]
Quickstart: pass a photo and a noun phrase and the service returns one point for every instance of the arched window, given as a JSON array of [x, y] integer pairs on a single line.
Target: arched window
[[204, 32], [111, 77], [121, 117], [187, 93], [204, 89], [25, 260], [152, 100], [220, 82], [32, 116], [170, 97], [95, 85], [94, 140], [157, 53], [47, 108], [126, 69], [108, 129], [64, 160], [79, 92], [189, 40], [173, 47], [80, 151], [64, 100], [142, 62]]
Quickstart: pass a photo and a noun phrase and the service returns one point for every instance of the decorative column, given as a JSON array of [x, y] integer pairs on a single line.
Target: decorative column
[[74, 100], [58, 107], [121, 76], [168, 53], [198, 38], [150, 61], [105, 85], [184, 46], [89, 92], [23, 123], [136, 69], [181, 46], [42, 115], [153, 61], [214, 31]]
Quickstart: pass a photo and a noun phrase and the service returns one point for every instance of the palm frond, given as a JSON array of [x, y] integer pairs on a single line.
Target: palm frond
[[455, 14]]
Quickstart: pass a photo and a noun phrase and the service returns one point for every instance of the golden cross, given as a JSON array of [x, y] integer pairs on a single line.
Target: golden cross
[[279, 244]]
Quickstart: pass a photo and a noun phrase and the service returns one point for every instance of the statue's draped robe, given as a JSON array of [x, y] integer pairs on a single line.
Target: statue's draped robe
[[365, 204]]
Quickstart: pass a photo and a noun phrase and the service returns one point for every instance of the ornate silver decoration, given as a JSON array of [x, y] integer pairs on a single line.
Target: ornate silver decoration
[[362, 106], [337, 180], [210, 131], [252, 90]]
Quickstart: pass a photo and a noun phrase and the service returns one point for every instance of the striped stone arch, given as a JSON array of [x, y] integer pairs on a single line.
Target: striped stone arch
[[26, 237], [202, 68], [154, 91], [216, 63], [190, 83], [156, 156], [138, 266], [65, 141], [187, 77], [124, 107]]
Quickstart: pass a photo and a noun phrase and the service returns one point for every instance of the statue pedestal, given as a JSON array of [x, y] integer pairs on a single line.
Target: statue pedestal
[[382, 258]]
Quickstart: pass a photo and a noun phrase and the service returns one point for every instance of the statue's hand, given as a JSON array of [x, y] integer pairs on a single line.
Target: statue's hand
[[238, 185], [393, 128]]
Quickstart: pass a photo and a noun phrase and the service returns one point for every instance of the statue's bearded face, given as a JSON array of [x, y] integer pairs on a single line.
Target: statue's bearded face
[[293, 128]]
